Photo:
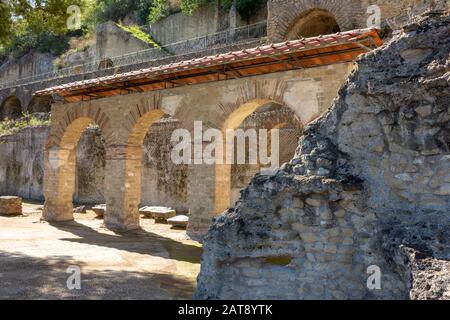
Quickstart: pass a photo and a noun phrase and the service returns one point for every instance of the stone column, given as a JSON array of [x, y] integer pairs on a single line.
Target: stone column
[[59, 184], [123, 187]]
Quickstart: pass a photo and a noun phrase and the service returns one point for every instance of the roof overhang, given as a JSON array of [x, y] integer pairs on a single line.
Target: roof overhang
[[285, 56]]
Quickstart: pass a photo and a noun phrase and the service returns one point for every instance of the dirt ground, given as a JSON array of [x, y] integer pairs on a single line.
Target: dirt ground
[[156, 262]]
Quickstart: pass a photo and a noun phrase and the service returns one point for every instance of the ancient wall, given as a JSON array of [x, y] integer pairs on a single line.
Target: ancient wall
[[163, 182], [29, 65], [21, 163], [90, 174], [112, 41], [206, 20], [22, 167], [306, 93], [283, 15], [269, 117], [178, 26], [366, 194]]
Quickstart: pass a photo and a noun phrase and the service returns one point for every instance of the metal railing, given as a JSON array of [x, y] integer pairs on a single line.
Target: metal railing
[[187, 49]]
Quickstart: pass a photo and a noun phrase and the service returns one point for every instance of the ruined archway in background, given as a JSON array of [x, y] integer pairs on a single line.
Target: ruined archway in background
[[11, 109], [40, 105], [276, 117], [312, 23], [270, 116]]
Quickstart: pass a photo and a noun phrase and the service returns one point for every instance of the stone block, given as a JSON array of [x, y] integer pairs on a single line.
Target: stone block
[[314, 202], [10, 205], [180, 221], [80, 209], [99, 210], [161, 214]]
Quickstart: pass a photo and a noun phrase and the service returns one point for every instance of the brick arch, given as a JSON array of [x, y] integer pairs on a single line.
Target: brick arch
[[235, 118], [264, 91], [290, 129], [60, 157], [125, 165], [284, 14], [11, 108], [312, 23], [62, 123]]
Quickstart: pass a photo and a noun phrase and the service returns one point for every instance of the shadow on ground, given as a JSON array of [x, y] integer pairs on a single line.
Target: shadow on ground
[[132, 241], [26, 277]]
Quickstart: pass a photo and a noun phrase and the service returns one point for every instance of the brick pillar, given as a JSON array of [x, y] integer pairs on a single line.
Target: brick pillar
[[222, 189], [200, 199], [123, 187], [59, 184]]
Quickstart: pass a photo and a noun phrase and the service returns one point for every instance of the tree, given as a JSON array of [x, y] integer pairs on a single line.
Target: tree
[[5, 22], [40, 24]]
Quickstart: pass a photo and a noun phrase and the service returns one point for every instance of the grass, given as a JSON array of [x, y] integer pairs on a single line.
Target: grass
[[139, 34], [8, 127]]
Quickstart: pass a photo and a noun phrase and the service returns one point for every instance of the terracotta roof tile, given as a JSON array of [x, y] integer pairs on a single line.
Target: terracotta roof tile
[[218, 59]]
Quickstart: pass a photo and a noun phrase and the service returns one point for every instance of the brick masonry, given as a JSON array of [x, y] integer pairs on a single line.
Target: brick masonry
[[283, 15], [124, 122]]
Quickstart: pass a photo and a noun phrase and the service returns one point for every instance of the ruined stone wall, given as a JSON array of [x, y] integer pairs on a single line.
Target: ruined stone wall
[[21, 163], [163, 182], [267, 118], [178, 26], [367, 190], [90, 176], [112, 41], [29, 65], [349, 14], [206, 20]]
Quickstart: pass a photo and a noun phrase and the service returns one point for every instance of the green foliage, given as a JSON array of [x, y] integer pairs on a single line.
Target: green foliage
[[159, 10], [42, 24], [5, 20], [189, 6], [36, 24], [8, 127], [141, 35], [117, 10]]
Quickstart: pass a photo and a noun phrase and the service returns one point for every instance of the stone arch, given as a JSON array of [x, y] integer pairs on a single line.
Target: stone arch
[[283, 15], [39, 105], [223, 171], [60, 158], [270, 116], [312, 23], [124, 163], [11, 108]]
